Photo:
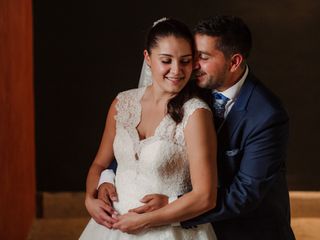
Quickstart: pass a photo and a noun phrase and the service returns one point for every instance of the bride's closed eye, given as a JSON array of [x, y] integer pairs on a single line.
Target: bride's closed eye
[[166, 61], [186, 61]]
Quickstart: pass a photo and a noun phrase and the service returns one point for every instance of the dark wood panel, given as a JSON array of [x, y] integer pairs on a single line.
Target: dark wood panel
[[17, 153]]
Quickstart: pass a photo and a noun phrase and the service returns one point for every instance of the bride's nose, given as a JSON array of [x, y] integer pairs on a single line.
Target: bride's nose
[[175, 68]]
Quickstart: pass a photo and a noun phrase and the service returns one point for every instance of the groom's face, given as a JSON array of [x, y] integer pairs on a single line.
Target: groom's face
[[211, 67]]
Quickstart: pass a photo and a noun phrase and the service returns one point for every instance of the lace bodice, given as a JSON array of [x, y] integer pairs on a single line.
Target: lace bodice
[[157, 164]]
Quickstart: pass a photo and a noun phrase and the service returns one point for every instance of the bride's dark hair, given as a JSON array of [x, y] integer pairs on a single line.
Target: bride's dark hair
[[172, 27]]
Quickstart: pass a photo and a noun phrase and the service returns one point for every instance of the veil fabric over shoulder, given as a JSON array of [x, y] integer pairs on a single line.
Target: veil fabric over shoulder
[[145, 75]]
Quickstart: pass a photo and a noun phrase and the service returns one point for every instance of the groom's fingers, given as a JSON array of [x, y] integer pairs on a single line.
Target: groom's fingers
[[112, 193], [147, 198], [103, 197], [142, 209], [102, 194], [152, 202], [155, 201], [107, 192]]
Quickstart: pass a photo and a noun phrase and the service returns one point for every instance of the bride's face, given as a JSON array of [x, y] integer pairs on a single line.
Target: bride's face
[[171, 63]]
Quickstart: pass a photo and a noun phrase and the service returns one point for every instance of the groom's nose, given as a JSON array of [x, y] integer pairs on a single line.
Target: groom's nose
[[196, 64]]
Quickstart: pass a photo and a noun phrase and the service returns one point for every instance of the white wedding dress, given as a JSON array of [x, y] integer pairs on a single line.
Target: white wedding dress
[[157, 164]]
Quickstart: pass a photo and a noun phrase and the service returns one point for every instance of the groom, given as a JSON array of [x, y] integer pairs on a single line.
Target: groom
[[252, 130]]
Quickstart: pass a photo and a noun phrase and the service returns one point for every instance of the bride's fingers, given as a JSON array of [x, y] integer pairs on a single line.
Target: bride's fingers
[[107, 224], [110, 212], [107, 219], [116, 226], [108, 209], [103, 219]]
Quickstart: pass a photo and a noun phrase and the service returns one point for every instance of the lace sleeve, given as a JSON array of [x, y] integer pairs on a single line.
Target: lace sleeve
[[190, 107], [128, 109], [121, 117]]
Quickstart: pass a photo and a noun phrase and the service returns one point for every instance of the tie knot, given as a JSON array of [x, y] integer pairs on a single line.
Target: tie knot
[[220, 97]]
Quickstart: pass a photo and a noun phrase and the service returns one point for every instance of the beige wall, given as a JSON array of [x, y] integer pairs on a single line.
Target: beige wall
[[17, 153]]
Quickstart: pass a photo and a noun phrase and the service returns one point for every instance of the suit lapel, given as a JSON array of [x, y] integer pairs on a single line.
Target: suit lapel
[[238, 110]]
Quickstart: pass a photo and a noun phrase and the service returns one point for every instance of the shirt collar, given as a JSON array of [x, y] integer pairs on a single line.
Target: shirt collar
[[233, 91]]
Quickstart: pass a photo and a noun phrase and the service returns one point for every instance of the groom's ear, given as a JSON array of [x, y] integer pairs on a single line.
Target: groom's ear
[[147, 57], [236, 61]]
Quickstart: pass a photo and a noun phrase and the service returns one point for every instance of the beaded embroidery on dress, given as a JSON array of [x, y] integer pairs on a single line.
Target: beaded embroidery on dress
[[157, 164]]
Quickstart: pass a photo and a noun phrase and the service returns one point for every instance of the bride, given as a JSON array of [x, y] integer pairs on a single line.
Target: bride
[[163, 139]]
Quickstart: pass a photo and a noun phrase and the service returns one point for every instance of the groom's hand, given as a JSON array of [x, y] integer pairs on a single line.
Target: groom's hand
[[101, 212], [152, 202], [107, 193]]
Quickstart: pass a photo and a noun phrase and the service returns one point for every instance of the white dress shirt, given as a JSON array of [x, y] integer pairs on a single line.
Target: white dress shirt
[[233, 92]]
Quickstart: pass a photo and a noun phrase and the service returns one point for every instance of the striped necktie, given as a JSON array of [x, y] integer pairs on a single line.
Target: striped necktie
[[219, 105]]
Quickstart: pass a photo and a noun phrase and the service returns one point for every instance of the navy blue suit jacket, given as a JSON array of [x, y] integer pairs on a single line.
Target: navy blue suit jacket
[[253, 200]]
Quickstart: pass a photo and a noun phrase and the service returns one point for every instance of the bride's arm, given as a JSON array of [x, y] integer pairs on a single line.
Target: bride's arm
[[200, 139], [102, 160]]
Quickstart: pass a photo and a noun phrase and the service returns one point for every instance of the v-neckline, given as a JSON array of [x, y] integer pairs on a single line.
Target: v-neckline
[[139, 116]]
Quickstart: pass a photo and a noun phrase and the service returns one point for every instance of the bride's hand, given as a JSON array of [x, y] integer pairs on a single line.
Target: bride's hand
[[101, 212], [130, 223]]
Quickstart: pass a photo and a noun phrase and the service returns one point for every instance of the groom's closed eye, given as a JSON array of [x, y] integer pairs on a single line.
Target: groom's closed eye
[[203, 56]]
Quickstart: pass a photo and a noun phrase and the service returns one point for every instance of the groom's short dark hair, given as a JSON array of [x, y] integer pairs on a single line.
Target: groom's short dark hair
[[233, 33]]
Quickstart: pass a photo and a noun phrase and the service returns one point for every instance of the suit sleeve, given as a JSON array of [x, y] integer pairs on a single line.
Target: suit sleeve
[[261, 165]]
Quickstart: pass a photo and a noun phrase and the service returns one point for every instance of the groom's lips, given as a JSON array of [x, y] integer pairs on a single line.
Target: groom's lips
[[199, 75]]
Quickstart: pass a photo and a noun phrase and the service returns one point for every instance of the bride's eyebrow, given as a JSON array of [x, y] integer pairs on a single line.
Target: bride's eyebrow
[[164, 55], [169, 55], [187, 55]]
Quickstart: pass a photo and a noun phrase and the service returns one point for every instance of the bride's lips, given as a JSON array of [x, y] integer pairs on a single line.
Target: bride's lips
[[175, 80]]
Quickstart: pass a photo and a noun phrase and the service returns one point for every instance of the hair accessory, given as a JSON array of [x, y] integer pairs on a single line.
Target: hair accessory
[[160, 20]]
